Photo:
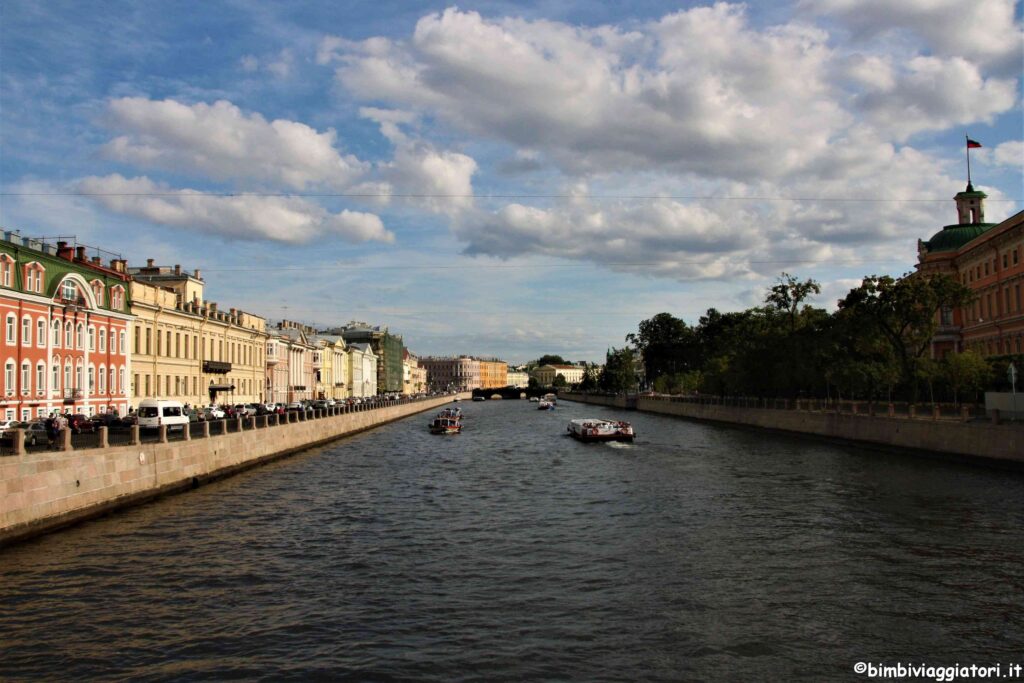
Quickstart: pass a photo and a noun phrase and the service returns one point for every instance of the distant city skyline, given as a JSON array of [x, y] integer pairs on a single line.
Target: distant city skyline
[[507, 179]]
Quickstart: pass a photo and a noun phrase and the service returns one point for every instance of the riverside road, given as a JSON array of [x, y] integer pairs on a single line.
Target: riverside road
[[512, 552]]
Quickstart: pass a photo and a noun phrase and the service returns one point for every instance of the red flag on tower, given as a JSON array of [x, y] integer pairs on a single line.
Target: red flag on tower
[[971, 144]]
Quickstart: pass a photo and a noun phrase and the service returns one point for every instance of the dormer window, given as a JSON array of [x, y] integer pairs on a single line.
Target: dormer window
[[117, 298], [97, 290], [68, 291], [6, 270], [34, 278]]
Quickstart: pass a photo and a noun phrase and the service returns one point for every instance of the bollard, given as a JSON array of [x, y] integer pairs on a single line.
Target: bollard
[[252, 422], [965, 413], [935, 411], [136, 436], [65, 440], [206, 429], [892, 410], [912, 411], [871, 409], [853, 408], [239, 422], [104, 437], [163, 433], [18, 441], [995, 416]]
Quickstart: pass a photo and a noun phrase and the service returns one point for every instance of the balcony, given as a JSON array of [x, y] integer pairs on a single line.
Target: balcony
[[72, 395], [272, 359], [216, 367]]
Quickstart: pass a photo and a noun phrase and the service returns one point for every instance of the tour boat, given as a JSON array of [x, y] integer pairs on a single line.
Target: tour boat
[[445, 425], [544, 404], [594, 429], [551, 398], [479, 398], [534, 399], [455, 413]]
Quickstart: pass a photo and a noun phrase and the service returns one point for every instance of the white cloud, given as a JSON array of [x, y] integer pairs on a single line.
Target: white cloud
[[1009, 154], [245, 216], [249, 63], [981, 30], [224, 143], [283, 65], [699, 91]]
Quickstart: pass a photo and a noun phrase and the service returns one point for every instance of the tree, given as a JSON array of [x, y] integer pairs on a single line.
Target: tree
[[559, 382], [788, 294], [589, 381], [903, 311], [619, 374], [667, 345], [532, 383], [965, 372], [550, 359]]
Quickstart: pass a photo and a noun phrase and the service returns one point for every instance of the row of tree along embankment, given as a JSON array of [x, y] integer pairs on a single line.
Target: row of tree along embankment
[[930, 430], [43, 491]]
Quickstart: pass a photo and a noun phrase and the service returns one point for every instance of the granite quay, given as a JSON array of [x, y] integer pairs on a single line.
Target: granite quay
[[933, 429], [44, 491]]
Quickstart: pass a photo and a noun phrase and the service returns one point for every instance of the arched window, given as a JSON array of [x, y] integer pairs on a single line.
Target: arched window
[[103, 380], [111, 386], [92, 378], [40, 332], [68, 291], [67, 377], [55, 376], [69, 339], [11, 329], [56, 334], [26, 378], [79, 376], [123, 347], [103, 340], [6, 269], [117, 298], [9, 378], [92, 338], [80, 336], [41, 378], [26, 331], [120, 381]]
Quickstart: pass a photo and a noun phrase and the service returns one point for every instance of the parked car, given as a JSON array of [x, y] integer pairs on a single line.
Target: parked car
[[214, 412], [294, 405], [35, 433], [8, 424], [157, 412], [320, 405], [80, 424]]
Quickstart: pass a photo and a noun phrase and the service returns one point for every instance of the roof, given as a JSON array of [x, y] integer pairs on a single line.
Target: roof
[[952, 237]]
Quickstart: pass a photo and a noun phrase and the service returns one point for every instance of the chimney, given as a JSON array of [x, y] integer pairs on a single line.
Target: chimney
[[198, 275], [97, 261], [212, 306], [232, 312], [177, 269], [64, 251], [149, 262], [80, 253]]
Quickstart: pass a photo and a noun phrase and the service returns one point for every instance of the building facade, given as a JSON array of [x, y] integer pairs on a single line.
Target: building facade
[[493, 374], [545, 374], [452, 374], [67, 318], [292, 374], [187, 348], [387, 348], [332, 375], [362, 370], [519, 379], [988, 258]]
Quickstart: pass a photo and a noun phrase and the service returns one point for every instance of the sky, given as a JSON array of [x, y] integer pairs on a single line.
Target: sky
[[507, 179]]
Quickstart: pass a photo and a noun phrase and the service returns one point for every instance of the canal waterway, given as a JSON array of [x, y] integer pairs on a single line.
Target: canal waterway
[[512, 552]]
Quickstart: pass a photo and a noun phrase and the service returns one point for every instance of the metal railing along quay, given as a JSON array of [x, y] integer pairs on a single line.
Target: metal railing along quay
[[13, 441]]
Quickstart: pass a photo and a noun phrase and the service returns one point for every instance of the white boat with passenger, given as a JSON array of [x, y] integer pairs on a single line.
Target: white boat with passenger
[[595, 429]]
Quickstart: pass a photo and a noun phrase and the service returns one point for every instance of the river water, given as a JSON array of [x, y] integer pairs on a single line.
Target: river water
[[512, 552]]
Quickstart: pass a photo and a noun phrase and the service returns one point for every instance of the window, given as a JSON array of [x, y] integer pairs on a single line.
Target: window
[[67, 377], [124, 346], [138, 336], [69, 336], [97, 291], [26, 331], [11, 339], [68, 290], [149, 335], [159, 343], [56, 334], [79, 384], [40, 379], [9, 378], [92, 338], [1005, 258], [80, 336], [147, 386], [92, 379], [6, 267], [117, 298], [40, 332], [168, 347], [112, 386], [103, 340], [1016, 256], [177, 344], [26, 414], [55, 376], [26, 378], [103, 380]]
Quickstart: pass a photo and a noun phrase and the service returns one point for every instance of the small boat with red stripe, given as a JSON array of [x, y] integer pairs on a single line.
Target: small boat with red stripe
[[594, 429]]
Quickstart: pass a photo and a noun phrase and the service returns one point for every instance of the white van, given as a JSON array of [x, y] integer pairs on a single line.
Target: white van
[[154, 412]]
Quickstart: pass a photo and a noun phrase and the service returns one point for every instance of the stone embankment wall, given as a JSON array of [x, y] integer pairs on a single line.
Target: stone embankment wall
[[40, 492], [609, 400], [973, 439]]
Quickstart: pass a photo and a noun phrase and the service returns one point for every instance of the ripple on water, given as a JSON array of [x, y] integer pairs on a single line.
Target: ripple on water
[[512, 552]]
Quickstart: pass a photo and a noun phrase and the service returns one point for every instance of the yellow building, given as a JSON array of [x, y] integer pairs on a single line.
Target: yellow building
[[332, 372], [493, 374], [184, 348], [545, 374]]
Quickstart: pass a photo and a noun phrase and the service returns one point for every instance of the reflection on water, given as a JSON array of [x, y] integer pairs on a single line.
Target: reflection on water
[[512, 551]]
